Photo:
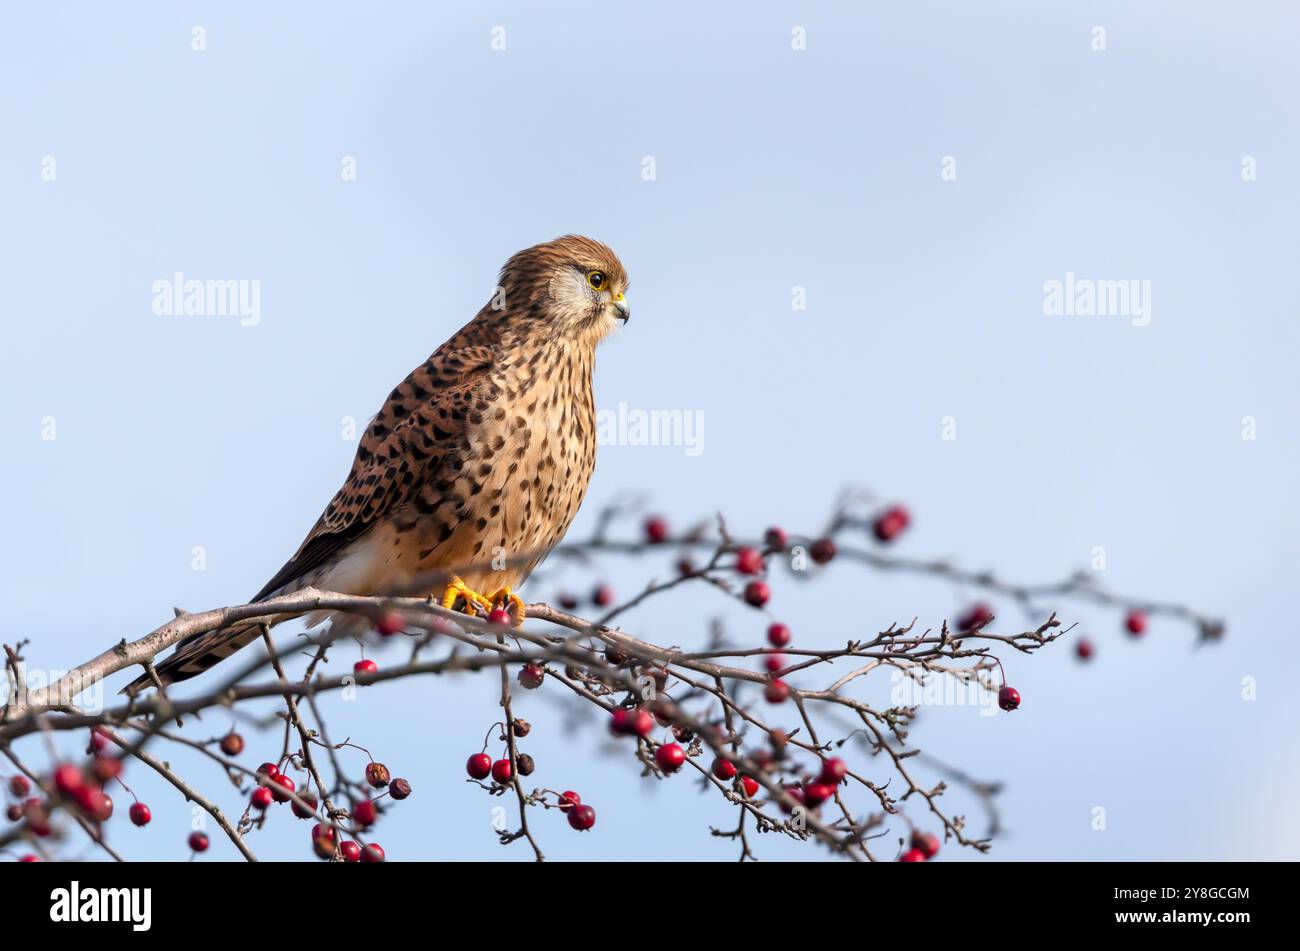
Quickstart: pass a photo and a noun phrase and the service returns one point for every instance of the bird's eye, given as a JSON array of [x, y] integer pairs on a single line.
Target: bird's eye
[[596, 279]]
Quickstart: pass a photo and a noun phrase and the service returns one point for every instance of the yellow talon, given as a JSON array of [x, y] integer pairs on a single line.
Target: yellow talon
[[514, 605], [473, 600]]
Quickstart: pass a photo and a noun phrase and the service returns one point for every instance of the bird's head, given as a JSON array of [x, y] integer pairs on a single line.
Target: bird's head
[[572, 287]]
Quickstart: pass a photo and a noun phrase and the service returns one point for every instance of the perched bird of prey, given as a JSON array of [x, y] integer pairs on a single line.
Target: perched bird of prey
[[477, 462]]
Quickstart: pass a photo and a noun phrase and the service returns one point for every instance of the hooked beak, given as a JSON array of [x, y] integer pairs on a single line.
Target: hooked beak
[[621, 308]]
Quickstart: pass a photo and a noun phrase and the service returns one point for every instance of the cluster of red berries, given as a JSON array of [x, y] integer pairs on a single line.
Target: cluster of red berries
[[925, 846], [480, 766]]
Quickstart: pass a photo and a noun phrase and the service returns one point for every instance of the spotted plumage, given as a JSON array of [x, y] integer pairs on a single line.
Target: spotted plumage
[[477, 462]]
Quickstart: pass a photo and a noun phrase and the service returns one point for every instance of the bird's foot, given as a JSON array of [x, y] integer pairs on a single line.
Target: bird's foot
[[513, 604], [458, 590]]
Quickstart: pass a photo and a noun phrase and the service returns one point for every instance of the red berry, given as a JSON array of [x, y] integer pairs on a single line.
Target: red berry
[[322, 840], [567, 601], [140, 814], [822, 550], [262, 798], [366, 814], [603, 596], [351, 851], [1136, 623], [925, 843], [815, 794], [778, 635], [106, 768], [304, 807], [499, 616], [833, 771], [377, 775], [479, 766], [569, 799], [68, 779], [531, 676], [685, 567], [28, 857], [751, 786], [98, 739], [890, 523], [198, 842], [776, 691], [912, 855], [976, 615], [656, 529], [670, 757], [724, 769], [749, 561], [365, 667], [582, 818], [399, 789], [281, 786], [757, 593], [642, 722], [501, 771], [620, 721], [268, 771], [19, 786], [773, 662], [14, 812], [232, 744], [95, 803], [374, 852], [775, 538], [1008, 698], [390, 624], [1083, 649]]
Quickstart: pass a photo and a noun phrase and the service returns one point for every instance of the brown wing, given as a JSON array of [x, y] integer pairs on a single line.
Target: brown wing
[[422, 421]]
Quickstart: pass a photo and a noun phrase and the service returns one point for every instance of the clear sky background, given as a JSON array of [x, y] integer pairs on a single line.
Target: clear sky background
[[775, 168]]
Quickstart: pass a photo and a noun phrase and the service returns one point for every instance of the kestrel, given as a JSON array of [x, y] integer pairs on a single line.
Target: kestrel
[[477, 462]]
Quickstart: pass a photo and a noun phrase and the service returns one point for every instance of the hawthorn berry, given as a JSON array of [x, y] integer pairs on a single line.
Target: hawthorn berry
[[757, 593], [377, 775], [281, 786], [262, 798], [521, 728], [1083, 649], [198, 842], [268, 771], [399, 789], [1008, 698], [822, 550], [642, 722], [373, 852], [322, 840], [525, 764], [19, 786], [773, 662], [232, 744], [567, 600], [106, 768], [14, 812], [749, 561], [977, 614], [685, 567], [912, 855], [365, 667], [891, 523], [670, 757], [582, 818], [390, 624], [365, 813], [98, 739], [531, 676], [1135, 623], [68, 779], [28, 857], [778, 635], [304, 807], [568, 799], [751, 786], [351, 851], [479, 766], [925, 843], [501, 771], [775, 538], [724, 769], [603, 596], [656, 529], [833, 771], [776, 691], [814, 794]]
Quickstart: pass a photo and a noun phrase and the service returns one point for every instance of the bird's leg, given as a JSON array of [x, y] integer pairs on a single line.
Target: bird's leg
[[513, 604], [473, 600]]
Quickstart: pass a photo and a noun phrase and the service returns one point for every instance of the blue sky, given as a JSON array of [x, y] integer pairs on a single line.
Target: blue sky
[[774, 169]]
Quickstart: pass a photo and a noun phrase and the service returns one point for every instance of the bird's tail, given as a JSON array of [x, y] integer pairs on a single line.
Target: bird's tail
[[202, 652]]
